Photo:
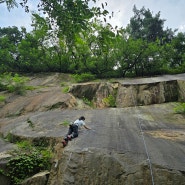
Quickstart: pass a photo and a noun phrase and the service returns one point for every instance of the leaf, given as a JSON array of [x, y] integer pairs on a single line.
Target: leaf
[[105, 12]]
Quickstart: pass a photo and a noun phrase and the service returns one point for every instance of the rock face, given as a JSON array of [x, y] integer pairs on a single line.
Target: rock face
[[43, 100], [181, 90], [38, 179], [102, 167], [127, 95], [140, 141], [147, 94], [95, 92]]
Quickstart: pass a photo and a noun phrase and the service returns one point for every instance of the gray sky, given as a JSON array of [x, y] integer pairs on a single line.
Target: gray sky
[[171, 10]]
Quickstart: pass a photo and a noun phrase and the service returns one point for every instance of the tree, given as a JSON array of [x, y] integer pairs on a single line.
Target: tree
[[71, 18], [176, 52], [68, 19], [9, 3], [72, 39], [68, 15], [128, 55], [136, 57], [94, 49], [148, 27], [10, 37], [33, 48]]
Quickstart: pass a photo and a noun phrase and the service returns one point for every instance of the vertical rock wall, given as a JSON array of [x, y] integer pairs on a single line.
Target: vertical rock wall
[[147, 94], [181, 91], [132, 94]]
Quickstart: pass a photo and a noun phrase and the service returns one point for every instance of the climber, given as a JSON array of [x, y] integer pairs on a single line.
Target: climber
[[73, 129]]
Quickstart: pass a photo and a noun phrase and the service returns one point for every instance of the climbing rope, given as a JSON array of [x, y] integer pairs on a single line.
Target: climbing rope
[[143, 138]]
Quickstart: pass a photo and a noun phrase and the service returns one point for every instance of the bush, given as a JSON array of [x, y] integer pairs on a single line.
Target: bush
[[13, 83], [66, 89], [84, 77], [2, 98], [180, 108], [27, 161], [110, 101], [9, 137], [88, 102]]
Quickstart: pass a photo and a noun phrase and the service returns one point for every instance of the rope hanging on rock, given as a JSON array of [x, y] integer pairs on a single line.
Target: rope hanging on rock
[[143, 138]]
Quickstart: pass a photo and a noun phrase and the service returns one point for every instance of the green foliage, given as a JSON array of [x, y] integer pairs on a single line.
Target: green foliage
[[84, 77], [65, 123], [148, 27], [27, 161], [82, 44], [9, 39], [24, 145], [180, 108], [17, 85], [9, 137], [88, 102], [66, 89], [10, 4], [13, 83], [110, 101], [63, 84], [1, 172], [31, 88], [2, 98], [96, 52]]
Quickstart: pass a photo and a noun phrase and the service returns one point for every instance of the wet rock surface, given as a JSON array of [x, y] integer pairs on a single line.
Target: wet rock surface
[[130, 144]]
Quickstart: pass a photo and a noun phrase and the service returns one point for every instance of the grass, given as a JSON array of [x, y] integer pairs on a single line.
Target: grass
[[2, 98]]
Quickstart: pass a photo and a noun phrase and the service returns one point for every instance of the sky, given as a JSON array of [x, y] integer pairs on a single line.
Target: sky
[[170, 10]]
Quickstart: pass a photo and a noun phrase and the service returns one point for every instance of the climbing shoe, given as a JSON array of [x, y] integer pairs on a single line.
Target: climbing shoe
[[66, 138], [64, 143]]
